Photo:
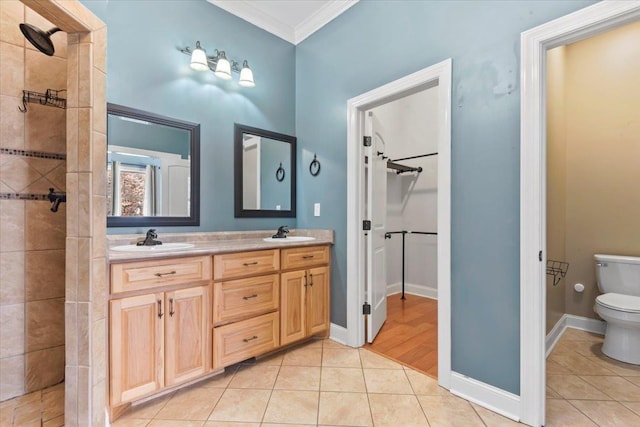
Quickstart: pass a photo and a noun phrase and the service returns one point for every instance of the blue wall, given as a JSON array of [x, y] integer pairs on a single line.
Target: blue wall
[[371, 44], [376, 42], [146, 71]]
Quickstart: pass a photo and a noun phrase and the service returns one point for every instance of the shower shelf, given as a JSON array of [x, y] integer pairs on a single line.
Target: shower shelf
[[557, 269], [50, 98]]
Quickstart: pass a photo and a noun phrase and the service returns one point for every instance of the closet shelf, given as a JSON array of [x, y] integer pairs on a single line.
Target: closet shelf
[[399, 168]]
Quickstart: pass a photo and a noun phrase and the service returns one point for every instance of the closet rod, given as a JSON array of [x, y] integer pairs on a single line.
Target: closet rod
[[414, 157], [388, 234]]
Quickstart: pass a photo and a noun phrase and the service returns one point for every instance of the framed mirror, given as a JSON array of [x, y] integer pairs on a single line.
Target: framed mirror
[[265, 173], [153, 169]]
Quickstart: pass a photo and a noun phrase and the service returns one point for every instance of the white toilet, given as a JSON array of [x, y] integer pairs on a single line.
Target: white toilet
[[619, 280]]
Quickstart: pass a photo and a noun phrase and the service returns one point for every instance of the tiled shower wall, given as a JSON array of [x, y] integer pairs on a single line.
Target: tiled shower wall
[[32, 238]]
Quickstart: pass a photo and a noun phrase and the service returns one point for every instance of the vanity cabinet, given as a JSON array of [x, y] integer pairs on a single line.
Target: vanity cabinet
[[158, 339], [304, 301], [175, 320]]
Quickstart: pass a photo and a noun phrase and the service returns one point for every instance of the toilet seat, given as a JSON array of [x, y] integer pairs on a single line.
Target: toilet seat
[[626, 303]]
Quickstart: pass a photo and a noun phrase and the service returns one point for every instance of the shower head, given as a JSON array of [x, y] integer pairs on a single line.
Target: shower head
[[40, 39]]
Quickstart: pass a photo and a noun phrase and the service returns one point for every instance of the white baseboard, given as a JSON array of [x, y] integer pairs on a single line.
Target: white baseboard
[[338, 333], [576, 322], [485, 395], [411, 289]]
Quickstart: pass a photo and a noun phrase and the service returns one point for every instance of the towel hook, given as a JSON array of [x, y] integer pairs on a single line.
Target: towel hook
[[280, 173], [314, 166]]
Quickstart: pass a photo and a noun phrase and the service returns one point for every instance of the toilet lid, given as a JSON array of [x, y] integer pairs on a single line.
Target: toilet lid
[[628, 303]]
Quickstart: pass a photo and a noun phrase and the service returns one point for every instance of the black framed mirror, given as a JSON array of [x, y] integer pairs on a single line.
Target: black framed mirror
[[265, 173], [153, 169]]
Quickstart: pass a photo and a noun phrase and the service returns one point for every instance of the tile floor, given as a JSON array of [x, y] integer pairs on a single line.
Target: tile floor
[[322, 383], [585, 388], [43, 408]]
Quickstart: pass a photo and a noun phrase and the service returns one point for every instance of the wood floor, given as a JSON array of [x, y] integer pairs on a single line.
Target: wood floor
[[410, 334]]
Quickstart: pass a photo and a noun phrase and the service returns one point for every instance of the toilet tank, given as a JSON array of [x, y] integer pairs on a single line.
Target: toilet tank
[[617, 273]]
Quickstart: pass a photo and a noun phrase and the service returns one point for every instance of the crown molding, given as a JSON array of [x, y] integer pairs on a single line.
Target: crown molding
[[245, 10], [322, 17]]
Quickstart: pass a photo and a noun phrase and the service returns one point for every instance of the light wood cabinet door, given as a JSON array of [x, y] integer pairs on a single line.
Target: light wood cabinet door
[[292, 302], [136, 347], [186, 328], [317, 300]]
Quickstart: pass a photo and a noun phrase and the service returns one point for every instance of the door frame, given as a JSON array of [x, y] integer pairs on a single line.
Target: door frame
[[576, 26], [436, 75]]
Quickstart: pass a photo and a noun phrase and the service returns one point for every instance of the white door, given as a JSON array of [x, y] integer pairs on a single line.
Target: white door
[[377, 209]]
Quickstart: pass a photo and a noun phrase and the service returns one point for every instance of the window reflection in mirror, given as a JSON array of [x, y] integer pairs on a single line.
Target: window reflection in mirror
[[264, 173], [150, 168]]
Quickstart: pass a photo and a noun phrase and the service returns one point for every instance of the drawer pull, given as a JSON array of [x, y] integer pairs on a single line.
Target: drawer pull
[[247, 264], [166, 274], [250, 296], [307, 256], [255, 337], [171, 312], [160, 313]]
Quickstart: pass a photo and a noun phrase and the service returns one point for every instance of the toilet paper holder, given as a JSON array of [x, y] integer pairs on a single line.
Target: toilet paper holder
[[557, 269]]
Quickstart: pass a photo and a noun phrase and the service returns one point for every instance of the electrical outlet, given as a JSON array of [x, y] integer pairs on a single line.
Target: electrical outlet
[[316, 209]]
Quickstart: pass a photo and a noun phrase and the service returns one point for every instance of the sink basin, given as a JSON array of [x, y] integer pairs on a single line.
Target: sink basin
[[290, 239], [158, 248]]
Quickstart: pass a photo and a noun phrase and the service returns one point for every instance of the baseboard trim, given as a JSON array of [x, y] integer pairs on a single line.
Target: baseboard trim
[[338, 334], [412, 289], [485, 395], [576, 322]]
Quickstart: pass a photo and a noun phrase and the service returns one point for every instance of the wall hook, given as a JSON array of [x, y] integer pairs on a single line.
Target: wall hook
[[314, 166]]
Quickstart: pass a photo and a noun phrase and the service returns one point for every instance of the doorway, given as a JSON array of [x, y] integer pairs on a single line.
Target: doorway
[[401, 188], [580, 25], [439, 77]]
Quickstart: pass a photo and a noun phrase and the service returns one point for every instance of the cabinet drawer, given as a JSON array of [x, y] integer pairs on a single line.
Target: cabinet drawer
[[242, 264], [237, 299], [149, 274], [242, 340], [304, 257]]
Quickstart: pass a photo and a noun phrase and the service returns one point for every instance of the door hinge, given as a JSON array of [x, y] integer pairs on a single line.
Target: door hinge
[[367, 141], [366, 225], [540, 256], [366, 308]]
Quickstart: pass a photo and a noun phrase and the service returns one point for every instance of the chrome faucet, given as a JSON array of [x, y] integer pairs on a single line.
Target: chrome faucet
[[150, 239], [282, 232]]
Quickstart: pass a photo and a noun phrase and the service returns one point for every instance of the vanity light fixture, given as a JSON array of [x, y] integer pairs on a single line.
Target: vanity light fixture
[[219, 64]]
